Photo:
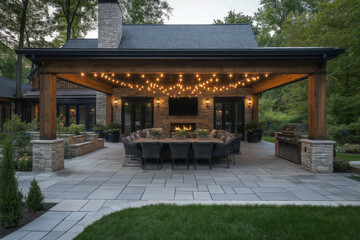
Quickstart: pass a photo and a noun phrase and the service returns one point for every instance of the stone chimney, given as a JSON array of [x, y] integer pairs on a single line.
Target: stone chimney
[[109, 24]]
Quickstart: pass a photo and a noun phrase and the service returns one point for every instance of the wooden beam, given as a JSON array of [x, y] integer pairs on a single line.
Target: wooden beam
[[317, 106], [286, 66], [88, 82], [255, 108], [276, 81], [47, 107], [108, 109]]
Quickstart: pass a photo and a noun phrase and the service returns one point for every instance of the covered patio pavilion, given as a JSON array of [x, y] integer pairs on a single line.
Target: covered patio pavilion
[[241, 72]]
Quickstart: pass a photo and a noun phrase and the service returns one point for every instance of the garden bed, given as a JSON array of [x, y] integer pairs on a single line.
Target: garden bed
[[27, 217], [227, 222]]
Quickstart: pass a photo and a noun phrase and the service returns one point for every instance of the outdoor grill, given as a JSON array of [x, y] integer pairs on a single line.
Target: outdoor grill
[[289, 141]]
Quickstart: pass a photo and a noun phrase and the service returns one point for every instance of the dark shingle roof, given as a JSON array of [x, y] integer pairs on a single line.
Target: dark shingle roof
[[226, 36], [8, 88]]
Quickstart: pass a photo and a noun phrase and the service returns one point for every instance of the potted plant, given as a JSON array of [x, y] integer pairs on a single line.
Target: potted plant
[[156, 134], [251, 132], [182, 134], [202, 133], [259, 130], [99, 129], [112, 132]]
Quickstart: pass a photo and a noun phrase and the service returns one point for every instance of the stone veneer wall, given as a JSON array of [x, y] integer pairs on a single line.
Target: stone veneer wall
[[48, 155], [204, 119], [100, 108], [317, 156]]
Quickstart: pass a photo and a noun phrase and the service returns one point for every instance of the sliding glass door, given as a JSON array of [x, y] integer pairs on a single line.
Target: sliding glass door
[[229, 114], [137, 114]]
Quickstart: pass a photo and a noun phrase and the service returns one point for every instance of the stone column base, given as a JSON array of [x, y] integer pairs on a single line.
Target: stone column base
[[317, 155], [48, 155]]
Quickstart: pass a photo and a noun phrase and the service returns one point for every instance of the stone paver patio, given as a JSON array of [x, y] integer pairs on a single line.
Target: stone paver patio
[[96, 184]]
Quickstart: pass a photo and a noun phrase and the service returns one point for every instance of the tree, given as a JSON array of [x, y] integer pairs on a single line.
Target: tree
[[74, 17], [35, 198], [235, 18], [25, 21], [145, 11], [10, 197], [272, 15]]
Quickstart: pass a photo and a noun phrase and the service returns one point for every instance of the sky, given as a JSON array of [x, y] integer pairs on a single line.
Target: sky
[[203, 11]]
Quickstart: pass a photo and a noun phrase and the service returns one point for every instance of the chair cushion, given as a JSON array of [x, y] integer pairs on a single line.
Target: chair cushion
[[213, 133], [228, 139], [137, 136], [223, 138], [133, 138], [148, 134]]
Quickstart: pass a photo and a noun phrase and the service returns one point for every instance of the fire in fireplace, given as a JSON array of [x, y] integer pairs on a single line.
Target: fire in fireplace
[[182, 126]]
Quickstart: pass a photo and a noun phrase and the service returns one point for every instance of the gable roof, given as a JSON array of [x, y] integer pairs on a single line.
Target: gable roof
[[8, 88], [156, 36]]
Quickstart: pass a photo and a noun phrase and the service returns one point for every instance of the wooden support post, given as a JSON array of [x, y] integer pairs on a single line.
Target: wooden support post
[[108, 109], [47, 107], [255, 108], [317, 106]]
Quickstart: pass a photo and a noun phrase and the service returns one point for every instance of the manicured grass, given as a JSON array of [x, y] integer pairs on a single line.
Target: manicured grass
[[357, 178], [348, 156], [269, 139], [227, 222]]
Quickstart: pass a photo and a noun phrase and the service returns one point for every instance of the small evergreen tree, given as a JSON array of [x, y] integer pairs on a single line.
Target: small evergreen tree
[[34, 200], [10, 196]]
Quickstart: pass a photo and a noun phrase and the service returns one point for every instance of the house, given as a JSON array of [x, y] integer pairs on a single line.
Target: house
[[179, 76], [8, 100]]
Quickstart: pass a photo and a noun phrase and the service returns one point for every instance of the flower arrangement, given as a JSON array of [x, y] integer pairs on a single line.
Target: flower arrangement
[[202, 133], [156, 134], [182, 134]]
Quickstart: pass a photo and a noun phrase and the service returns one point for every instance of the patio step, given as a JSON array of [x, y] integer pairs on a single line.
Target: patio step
[[78, 149]]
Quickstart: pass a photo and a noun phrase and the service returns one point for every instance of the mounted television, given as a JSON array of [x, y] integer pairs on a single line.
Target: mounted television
[[183, 106]]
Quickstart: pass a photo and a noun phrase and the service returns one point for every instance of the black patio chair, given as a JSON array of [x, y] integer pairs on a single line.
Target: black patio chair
[[236, 148], [180, 150], [224, 150], [203, 150], [152, 150], [132, 152]]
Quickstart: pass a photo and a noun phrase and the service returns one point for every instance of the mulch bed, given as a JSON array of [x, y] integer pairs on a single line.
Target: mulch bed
[[27, 218]]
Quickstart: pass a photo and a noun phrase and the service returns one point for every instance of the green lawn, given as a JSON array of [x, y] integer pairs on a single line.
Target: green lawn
[[269, 139], [227, 222], [348, 156]]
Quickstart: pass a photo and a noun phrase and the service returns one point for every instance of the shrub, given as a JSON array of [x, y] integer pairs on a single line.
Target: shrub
[[10, 196], [35, 198], [24, 163], [341, 165], [350, 148], [345, 133], [99, 127], [156, 134], [17, 132], [76, 128], [251, 127]]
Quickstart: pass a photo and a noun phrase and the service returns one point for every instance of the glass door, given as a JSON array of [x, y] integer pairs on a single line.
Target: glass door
[[229, 114], [137, 114]]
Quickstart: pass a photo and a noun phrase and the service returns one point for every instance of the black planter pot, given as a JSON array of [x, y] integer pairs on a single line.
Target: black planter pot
[[259, 135], [113, 137], [252, 137], [100, 132]]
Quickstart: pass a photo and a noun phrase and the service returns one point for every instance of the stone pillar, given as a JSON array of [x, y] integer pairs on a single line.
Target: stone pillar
[[317, 155], [48, 155]]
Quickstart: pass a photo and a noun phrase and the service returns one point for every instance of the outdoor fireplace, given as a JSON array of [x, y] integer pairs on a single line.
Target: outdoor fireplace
[[191, 127]]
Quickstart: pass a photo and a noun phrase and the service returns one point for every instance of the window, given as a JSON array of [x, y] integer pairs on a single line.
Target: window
[[137, 113]]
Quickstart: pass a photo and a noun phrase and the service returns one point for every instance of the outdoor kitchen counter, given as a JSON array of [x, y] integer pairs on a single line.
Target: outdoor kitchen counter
[[168, 140]]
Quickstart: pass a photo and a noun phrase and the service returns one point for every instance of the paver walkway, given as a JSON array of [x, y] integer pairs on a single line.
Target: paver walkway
[[96, 184]]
